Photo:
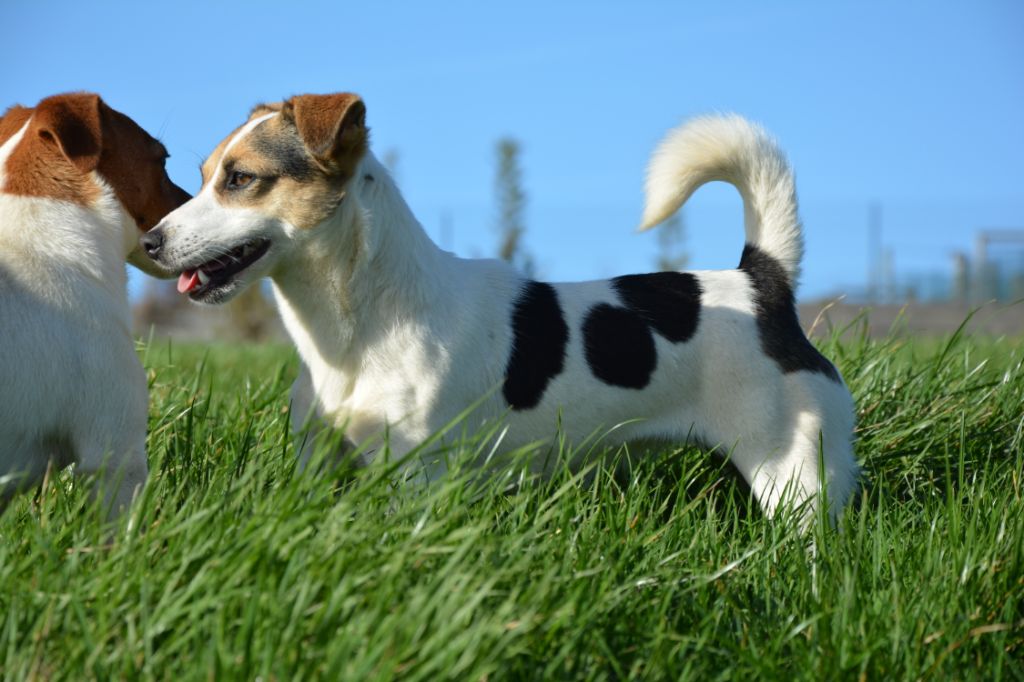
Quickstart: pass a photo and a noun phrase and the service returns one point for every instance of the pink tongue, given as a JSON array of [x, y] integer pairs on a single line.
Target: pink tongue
[[188, 281]]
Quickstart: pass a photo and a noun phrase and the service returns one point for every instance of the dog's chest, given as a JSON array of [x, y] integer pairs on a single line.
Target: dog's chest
[[403, 386]]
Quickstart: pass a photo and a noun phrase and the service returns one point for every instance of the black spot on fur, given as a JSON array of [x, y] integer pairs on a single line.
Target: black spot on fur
[[539, 338], [619, 346], [668, 301], [782, 339]]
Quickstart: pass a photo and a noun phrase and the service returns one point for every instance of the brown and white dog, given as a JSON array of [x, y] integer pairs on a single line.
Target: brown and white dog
[[78, 183], [398, 337]]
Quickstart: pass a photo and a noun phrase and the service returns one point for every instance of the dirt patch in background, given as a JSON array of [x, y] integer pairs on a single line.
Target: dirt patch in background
[[913, 319]]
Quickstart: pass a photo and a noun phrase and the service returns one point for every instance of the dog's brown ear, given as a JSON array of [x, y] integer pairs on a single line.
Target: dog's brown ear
[[333, 127], [74, 125]]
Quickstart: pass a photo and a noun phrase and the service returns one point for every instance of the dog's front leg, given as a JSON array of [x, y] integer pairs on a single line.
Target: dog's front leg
[[121, 470], [315, 439]]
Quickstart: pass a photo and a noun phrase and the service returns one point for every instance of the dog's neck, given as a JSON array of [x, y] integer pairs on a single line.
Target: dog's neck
[[88, 242], [369, 269]]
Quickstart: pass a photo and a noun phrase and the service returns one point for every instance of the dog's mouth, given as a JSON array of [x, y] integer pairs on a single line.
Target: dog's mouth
[[206, 278]]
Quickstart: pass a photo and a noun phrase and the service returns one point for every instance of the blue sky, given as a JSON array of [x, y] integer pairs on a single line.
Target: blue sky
[[918, 106]]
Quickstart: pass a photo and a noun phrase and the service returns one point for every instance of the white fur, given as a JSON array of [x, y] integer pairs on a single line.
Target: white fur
[[5, 151], [733, 150], [397, 335], [72, 387]]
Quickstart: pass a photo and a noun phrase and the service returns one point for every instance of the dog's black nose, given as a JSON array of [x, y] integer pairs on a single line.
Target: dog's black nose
[[153, 241]]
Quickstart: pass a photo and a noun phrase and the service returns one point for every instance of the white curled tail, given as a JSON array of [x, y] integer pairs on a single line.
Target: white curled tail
[[733, 150]]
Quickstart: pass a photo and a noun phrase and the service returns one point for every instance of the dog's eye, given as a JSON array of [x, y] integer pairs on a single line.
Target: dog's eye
[[240, 179]]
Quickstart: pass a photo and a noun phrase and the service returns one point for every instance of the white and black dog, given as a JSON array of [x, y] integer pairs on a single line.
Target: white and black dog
[[399, 336]]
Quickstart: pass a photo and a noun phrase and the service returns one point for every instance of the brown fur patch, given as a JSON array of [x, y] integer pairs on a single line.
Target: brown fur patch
[[58, 151], [288, 182], [333, 128], [12, 121], [209, 166], [132, 162], [72, 135], [264, 108], [300, 169]]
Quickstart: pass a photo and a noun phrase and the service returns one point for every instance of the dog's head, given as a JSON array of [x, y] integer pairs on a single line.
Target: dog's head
[[271, 182], [75, 148]]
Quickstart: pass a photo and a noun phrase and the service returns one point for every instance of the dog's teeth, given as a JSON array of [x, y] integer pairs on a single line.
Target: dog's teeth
[[203, 278]]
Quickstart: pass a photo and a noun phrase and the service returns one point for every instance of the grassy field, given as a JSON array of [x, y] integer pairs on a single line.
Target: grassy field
[[233, 566]]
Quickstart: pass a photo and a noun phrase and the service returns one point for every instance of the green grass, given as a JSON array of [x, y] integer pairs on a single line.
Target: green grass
[[234, 566]]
